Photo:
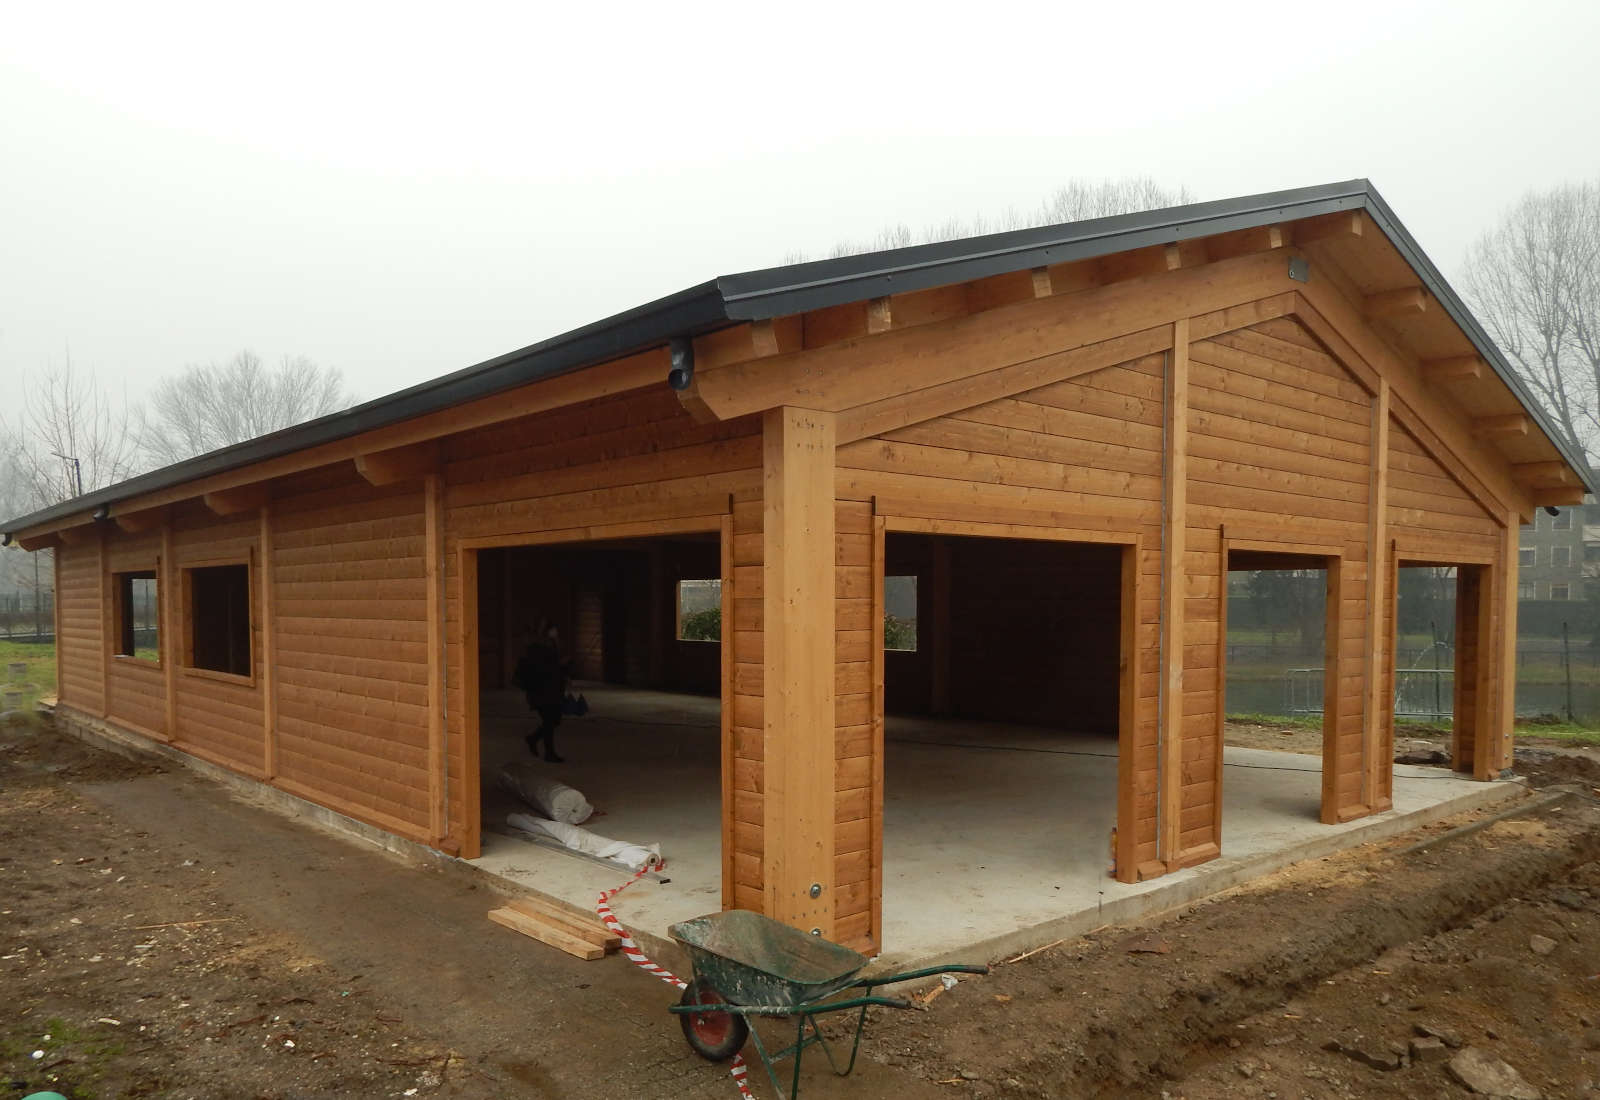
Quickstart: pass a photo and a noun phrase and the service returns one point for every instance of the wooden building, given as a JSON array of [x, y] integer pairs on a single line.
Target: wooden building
[[1070, 435]]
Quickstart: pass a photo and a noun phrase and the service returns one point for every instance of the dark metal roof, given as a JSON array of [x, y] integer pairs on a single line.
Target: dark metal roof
[[780, 291]]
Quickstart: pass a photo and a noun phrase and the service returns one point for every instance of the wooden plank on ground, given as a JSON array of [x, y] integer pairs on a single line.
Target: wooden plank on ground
[[544, 933], [584, 928]]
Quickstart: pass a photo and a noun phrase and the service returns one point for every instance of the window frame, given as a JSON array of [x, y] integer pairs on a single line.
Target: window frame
[[677, 612], [1566, 591], [1532, 561], [916, 586], [121, 593], [1558, 550], [185, 595]]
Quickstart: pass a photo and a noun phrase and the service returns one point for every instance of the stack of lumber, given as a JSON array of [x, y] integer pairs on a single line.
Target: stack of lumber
[[555, 924]]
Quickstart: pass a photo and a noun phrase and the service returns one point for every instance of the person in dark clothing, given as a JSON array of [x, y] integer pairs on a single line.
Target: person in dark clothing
[[542, 676]]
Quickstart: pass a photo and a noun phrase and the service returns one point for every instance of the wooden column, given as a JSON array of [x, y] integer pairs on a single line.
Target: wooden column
[[433, 570], [269, 650], [1175, 519], [797, 577], [1379, 706], [1504, 668], [104, 581], [1333, 811], [171, 630]]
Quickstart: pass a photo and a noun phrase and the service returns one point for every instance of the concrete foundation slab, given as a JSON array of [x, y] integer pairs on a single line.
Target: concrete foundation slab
[[995, 837]]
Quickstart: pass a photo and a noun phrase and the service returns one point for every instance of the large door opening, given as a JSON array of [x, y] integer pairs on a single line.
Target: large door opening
[[638, 624], [1282, 678], [1006, 666], [1441, 644]]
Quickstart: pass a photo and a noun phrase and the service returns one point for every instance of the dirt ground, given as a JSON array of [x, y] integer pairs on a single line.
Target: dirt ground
[[160, 937]]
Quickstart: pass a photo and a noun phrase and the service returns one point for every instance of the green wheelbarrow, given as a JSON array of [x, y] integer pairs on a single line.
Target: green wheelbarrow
[[747, 965]]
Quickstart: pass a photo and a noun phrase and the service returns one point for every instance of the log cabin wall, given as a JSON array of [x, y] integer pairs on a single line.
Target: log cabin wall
[[217, 717], [352, 645], [136, 689], [1084, 454], [616, 467], [81, 653]]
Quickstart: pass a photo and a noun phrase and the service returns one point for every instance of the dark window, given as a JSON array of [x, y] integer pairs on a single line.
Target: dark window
[[1563, 520], [138, 616], [219, 618]]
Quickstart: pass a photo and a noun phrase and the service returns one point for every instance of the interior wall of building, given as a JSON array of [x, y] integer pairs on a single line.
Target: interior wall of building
[[614, 606], [1028, 632]]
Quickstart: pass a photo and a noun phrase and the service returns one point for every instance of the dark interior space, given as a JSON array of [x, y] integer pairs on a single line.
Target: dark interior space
[[620, 608], [1006, 630]]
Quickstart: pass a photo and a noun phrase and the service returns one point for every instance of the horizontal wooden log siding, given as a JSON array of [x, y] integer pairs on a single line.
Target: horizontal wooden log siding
[[858, 708], [630, 458], [1085, 454], [136, 690], [746, 887], [1428, 506], [82, 646], [352, 674], [1279, 447], [220, 721]]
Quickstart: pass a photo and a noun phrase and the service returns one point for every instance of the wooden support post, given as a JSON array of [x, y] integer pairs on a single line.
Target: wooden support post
[[939, 673], [171, 630], [725, 711], [269, 650], [875, 806], [467, 641], [1175, 519], [1220, 731], [104, 580], [433, 570], [798, 675], [1505, 663], [55, 625], [1333, 637], [1126, 850], [1379, 706]]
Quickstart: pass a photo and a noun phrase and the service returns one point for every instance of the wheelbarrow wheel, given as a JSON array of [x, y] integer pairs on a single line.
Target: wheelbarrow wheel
[[716, 1036]]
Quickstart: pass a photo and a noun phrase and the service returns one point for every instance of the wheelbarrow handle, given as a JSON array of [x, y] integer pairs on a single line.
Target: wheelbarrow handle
[[912, 975]]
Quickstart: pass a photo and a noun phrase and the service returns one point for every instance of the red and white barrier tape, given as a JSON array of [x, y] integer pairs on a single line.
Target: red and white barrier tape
[[737, 1068]]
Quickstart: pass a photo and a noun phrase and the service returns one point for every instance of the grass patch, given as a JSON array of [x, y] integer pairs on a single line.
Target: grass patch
[[1567, 733], [38, 677], [1301, 721]]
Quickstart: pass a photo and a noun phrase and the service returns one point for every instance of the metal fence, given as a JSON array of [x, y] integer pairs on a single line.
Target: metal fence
[[27, 616], [1419, 693]]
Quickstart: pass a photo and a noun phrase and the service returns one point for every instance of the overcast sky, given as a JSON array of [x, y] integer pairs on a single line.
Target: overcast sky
[[402, 192]]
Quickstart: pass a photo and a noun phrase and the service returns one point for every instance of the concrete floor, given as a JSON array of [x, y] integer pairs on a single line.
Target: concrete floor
[[988, 829]]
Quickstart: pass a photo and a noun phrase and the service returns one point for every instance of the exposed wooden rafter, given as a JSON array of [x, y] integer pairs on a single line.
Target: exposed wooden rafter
[[1454, 368], [137, 523], [1509, 426], [1544, 474], [1346, 225], [233, 502], [1406, 301], [39, 542], [399, 464]]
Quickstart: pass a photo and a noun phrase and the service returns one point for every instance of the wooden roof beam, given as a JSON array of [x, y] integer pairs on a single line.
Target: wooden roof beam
[[137, 523], [1557, 498], [1509, 426], [1407, 301], [1346, 225], [1454, 368], [48, 541], [1241, 242], [233, 502], [399, 464], [1544, 474]]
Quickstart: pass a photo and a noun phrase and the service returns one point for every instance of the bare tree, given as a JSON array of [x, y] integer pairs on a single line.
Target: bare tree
[[1076, 201], [1534, 281], [204, 408], [74, 437]]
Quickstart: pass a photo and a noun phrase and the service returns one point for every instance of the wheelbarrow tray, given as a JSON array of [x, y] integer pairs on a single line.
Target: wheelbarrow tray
[[754, 960]]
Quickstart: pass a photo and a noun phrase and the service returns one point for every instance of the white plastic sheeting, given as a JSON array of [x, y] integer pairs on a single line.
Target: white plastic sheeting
[[632, 856], [551, 797]]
